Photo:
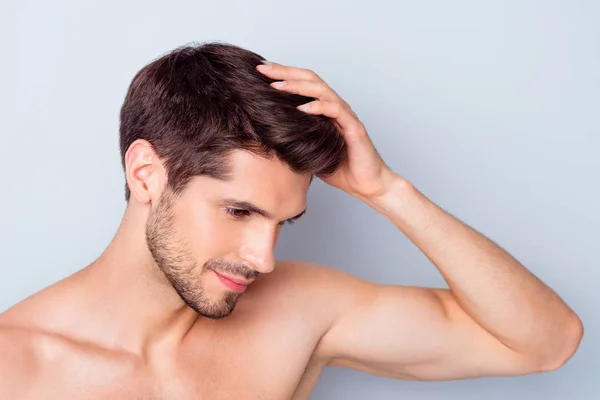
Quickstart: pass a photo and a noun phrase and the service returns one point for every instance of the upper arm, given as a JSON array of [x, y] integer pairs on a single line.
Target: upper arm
[[409, 333]]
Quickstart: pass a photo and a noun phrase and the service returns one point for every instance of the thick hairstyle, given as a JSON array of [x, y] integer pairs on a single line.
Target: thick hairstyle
[[199, 102]]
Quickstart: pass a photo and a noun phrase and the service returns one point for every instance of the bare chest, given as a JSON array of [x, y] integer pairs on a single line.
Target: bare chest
[[250, 363], [266, 376]]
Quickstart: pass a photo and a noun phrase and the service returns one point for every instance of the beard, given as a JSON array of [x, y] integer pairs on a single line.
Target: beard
[[178, 265]]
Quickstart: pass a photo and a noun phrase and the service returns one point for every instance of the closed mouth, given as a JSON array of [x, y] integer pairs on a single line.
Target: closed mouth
[[235, 280]]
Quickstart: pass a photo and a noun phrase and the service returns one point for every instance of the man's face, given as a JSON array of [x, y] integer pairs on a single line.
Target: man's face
[[204, 235]]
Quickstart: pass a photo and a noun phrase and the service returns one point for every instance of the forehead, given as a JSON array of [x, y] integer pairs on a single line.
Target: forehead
[[246, 165], [266, 182]]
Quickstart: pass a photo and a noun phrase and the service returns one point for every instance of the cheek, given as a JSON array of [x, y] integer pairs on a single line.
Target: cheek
[[210, 234]]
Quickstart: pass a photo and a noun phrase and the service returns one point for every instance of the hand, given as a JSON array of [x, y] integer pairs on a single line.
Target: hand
[[363, 173]]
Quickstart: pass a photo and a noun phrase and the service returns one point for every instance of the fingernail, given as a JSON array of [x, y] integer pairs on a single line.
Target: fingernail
[[279, 84], [266, 65], [304, 107]]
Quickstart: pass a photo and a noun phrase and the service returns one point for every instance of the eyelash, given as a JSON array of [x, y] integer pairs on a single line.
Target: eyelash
[[232, 211]]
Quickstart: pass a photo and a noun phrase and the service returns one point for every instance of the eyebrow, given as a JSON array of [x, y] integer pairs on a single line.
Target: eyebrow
[[255, 209]]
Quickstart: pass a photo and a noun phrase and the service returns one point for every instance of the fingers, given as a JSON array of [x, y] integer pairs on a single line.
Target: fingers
[[333, 109], [283, 72], [307, 83], [317, 89]]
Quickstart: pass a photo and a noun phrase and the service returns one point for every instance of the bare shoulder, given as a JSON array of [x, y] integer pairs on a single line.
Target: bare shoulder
[[321, 279], [326, 292], [17, 359]]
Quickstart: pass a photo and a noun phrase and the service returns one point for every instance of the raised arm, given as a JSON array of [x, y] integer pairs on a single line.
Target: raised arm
[[497, 318]]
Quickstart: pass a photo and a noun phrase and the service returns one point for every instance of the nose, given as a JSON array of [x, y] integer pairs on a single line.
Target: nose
[[258, 252]]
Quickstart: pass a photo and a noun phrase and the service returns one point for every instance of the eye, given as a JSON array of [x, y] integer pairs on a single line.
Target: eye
[[237, 213], [287, 222]]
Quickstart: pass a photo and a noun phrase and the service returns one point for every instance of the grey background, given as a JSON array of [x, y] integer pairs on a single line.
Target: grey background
[[491, 108]]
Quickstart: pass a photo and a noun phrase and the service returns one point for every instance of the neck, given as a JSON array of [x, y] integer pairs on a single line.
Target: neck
[[121, 301]]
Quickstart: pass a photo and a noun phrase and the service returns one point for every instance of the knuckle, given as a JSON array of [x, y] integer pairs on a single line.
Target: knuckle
[[312, 75], [321, 89], [335, 109]]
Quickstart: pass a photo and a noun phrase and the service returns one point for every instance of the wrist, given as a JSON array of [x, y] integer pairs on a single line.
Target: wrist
[[398, 190]]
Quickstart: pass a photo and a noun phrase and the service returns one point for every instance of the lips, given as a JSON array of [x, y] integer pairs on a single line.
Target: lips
[[237, 281], [232, 285]]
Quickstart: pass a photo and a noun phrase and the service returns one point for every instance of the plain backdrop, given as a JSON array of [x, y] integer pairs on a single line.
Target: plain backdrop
[[491, 108]]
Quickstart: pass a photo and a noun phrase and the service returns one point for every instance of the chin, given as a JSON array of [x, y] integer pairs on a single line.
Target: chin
[[216, 308]]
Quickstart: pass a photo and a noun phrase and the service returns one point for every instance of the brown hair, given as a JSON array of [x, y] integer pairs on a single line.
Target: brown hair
[[197, 103]]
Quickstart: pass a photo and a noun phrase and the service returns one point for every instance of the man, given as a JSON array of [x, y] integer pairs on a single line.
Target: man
[[187, 301]]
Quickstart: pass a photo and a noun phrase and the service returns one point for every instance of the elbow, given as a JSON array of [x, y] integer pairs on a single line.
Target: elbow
[[572, 335]]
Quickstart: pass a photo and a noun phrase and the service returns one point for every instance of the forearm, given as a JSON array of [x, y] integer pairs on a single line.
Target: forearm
[[491, 286]]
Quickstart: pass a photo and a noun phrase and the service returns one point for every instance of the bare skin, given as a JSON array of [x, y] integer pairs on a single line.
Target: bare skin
[[151, 319]]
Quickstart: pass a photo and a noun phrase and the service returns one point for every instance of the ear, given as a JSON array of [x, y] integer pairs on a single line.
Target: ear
[[144, 172]]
